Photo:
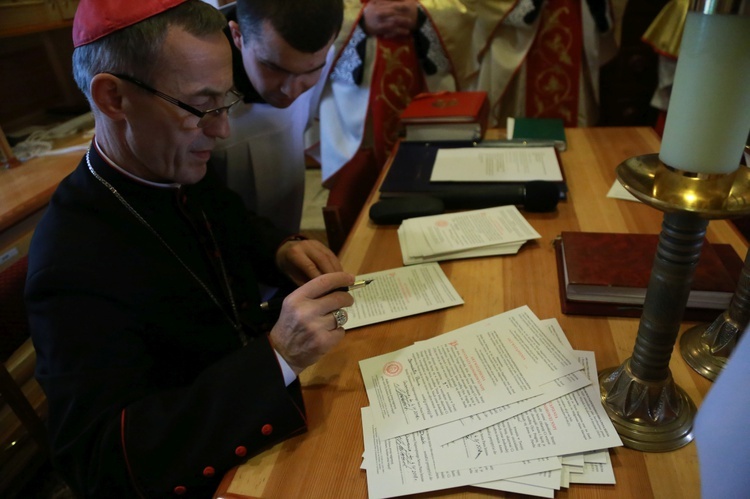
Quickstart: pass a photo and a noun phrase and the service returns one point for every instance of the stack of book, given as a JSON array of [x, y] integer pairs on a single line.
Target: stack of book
[[608, 274], [446, 116], [501, 230]]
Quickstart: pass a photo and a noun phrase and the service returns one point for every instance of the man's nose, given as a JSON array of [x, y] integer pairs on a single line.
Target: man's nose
[[296, 85], [218, 127]]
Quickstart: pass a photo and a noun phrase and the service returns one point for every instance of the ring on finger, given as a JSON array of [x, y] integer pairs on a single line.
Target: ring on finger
[[340, 316]]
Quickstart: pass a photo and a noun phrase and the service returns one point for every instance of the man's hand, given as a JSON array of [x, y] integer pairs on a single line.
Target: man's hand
[[305, 260], [390, 18], [306, 328]]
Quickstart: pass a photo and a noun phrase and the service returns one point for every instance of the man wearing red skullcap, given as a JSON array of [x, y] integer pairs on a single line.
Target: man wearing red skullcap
[[161, 369]]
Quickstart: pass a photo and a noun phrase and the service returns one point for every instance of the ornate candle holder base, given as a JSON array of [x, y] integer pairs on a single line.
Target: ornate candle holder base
[[649, 411], [661, 419], [706, 347], [697, 352]]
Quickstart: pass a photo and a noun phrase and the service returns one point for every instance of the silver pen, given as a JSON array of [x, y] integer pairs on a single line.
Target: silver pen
[[356, 285], [274, 304]]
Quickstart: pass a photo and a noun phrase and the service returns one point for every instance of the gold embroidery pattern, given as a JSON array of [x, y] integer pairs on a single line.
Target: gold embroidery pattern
[[395, 88], [555, 64]]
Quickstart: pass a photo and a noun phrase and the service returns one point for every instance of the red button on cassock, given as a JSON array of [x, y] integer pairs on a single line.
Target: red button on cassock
[[180, 490], [209, 471], [240, 451], [267, 429]]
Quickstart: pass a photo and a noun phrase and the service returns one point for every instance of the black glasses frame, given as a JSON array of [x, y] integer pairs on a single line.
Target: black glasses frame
[[187, 107]]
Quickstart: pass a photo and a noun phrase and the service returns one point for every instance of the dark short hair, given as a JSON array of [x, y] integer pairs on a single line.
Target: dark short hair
[[306, 25], [135, 50]]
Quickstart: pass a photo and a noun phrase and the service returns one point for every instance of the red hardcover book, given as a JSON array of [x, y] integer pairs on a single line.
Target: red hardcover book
[[607, 274], [446, 116]]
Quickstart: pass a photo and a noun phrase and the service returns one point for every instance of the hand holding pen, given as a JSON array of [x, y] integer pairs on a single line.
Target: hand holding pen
[[311, 319], [274, 304]]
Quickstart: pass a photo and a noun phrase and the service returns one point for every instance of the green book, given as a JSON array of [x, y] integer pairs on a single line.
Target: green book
[[539, 129]]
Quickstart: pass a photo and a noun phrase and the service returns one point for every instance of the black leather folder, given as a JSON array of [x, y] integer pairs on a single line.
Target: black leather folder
[[411, 169]]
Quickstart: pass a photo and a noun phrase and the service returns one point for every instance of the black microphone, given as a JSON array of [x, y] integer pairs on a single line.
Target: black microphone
[[534, 196]]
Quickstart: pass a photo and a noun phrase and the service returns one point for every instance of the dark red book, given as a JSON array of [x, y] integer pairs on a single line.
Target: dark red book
[[607, 274], [446, 116]]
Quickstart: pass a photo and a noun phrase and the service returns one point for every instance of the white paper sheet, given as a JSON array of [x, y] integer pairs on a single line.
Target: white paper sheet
[[454, 430], [488, 364], [574, 423], [404, 465], [596, 473], [415, 462], [496, 164], [453, 232], [401, 292], [617, 191], [407, 251]]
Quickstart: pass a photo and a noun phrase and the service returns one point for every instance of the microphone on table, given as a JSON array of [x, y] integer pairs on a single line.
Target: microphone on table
[[536, 196], [533, 196]]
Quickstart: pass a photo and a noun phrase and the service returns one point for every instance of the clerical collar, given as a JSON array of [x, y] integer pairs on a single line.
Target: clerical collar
[[159, 185]]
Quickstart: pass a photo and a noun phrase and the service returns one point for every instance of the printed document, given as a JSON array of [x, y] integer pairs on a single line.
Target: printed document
[[401, 292], [488, 364], [449, 233], [496, 250], [496, 164], [554, 389], [574, 423], [541, 443], [404, 465]]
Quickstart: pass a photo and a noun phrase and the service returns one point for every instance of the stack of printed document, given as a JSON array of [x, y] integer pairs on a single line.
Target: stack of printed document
[[501, 230], [503, 404]]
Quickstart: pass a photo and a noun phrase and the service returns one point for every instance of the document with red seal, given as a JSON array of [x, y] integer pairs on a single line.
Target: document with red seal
[[401, 292]]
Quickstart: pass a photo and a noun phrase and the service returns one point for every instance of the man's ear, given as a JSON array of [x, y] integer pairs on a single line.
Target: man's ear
[[234, 29], [106, 93]]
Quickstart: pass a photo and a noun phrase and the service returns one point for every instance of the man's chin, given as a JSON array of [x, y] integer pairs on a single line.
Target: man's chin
[[193, 173], [280, 102]]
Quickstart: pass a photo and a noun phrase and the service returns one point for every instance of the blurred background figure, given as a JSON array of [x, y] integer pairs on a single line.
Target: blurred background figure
[[534, 58]]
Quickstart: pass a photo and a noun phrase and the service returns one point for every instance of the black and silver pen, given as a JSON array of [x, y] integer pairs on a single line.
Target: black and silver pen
[[274, 304], [356, 285]]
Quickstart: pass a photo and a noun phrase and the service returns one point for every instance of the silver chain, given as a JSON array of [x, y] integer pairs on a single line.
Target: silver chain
[[236, 322]]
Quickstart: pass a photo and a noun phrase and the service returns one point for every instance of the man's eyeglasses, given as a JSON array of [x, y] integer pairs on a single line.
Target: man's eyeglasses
[[204, 117]]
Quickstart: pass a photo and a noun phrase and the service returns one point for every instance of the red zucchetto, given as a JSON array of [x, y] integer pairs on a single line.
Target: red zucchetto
[[95, 19]]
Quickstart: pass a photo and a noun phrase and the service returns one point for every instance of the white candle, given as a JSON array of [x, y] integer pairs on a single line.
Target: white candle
[[708, 119]]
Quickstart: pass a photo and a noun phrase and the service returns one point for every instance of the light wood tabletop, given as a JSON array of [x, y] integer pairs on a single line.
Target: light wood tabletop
[[325, 461], [28, 187]]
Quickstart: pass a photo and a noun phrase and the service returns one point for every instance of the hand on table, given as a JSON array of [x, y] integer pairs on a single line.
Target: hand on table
[[305, 260]]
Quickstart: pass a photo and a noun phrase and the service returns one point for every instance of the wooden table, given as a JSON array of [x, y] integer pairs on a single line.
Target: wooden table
[[25, 191], [324, 462], [28, 187]]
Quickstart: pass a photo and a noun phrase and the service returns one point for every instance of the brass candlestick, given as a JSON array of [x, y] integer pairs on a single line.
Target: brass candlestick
[[706, 128], [648, 409], [706, 347]]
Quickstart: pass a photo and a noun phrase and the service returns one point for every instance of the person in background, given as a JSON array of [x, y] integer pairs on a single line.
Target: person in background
[[511, 49], [389, 52], [161, 369], [281, 50]]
